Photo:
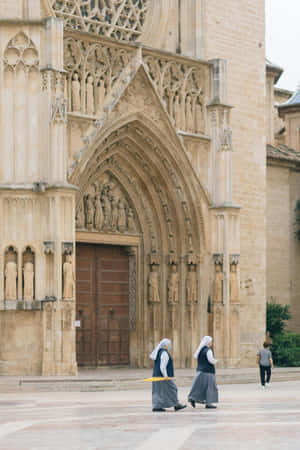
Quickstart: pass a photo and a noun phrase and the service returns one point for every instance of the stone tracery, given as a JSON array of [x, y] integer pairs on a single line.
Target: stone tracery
[[119, 19], [92, 68]]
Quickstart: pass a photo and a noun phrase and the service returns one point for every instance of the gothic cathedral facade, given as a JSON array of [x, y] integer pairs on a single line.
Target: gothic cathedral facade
[[132, 181]]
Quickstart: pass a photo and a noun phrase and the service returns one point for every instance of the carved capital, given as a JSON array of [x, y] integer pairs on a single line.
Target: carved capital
[[154, 259], [67, 248], [218, 258], [192, 259], [49, 247], [234, 258]]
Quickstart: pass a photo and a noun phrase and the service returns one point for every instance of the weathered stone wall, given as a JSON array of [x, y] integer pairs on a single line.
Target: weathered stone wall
[[235, 30], [21, 342]]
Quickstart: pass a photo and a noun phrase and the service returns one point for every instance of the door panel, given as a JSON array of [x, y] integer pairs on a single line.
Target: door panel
[[102, 274]]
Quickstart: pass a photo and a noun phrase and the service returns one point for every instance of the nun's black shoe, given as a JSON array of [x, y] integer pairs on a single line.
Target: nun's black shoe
[[210, 407], [193, 403], [158, 410], [179, 406]]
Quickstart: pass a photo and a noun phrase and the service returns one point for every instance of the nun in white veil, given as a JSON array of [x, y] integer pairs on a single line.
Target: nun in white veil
[[164, 392], [204, 388]]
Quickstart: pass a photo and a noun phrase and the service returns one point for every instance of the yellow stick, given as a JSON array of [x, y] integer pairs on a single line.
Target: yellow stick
[[158, 379]]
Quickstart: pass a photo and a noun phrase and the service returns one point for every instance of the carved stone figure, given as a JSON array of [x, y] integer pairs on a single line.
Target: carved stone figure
[[89, 212], [79, 217], [28, 272], [191, 285], [122, 222], [153, 284], [131, 222], [177, 112], [100, 95], [189, 117], [234, 284], [90, 106], [11, 281], [68, 290], [173, 285], [199, 119], [106, 211], [218, 284], [99, 217], [76, 103], [114, 214]]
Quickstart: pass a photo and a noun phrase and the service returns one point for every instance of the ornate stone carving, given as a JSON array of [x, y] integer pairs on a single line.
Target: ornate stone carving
[[11, 280], [217, 290], [59, 110], [234, 284], [181, 87], [132, 287], [10, 274], [49, 247], [21, 51], [191, 285], [173, 285], [153, 284], [28, 274], [93, 68], [105, 208], [119, 19], [67, 248], [68, 278]]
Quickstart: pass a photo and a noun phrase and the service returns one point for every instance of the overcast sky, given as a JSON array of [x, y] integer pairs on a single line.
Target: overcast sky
[[283, 39]]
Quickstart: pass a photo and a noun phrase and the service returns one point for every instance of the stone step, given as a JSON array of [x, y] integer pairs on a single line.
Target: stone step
[[131, 380]]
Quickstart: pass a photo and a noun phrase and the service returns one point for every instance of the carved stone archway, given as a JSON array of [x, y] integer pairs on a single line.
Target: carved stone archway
[[159, 204]]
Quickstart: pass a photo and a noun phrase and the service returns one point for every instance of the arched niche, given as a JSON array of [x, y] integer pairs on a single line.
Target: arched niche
[[28, 273], [11, 274]]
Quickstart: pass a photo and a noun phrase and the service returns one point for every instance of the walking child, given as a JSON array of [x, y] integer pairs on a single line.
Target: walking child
[[265, 363]]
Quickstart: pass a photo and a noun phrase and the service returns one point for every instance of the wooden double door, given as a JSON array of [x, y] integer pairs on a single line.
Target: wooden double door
[[102, 305]]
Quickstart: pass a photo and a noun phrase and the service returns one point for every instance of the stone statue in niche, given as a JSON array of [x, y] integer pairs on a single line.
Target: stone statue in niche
[[98, 213], [177, 112], [199, 118], [122, 225], [89, 212], [90, 107], [173, 285], [131, 221], [218, 284], [153, 284], [191, 285], [234, 284], [11, 281], [28, 273], [189, 117], [106, 210], [80, 217], [114, 213], [100, 95], [76, 103], [68, 287]]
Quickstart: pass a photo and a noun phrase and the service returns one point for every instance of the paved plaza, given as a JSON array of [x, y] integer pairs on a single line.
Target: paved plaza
[[247, 418]]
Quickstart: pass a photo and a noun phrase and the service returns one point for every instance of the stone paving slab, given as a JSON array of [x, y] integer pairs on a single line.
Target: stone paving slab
[[127, 378], [247, 417]]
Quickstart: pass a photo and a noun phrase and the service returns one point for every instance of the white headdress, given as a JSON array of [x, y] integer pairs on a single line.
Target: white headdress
[[205, 341], [163, 343]]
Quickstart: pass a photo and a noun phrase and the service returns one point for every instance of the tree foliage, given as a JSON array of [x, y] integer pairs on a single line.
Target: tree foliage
[[277, 315], [285, 349]]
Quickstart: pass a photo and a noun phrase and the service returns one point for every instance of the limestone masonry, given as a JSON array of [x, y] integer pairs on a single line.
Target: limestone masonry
[[148, 182]]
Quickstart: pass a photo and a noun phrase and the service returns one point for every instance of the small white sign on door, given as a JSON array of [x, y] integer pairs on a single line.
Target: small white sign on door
[[77, 323]]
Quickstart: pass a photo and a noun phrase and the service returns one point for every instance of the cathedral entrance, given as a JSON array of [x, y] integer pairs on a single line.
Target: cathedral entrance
[[102, 305]]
